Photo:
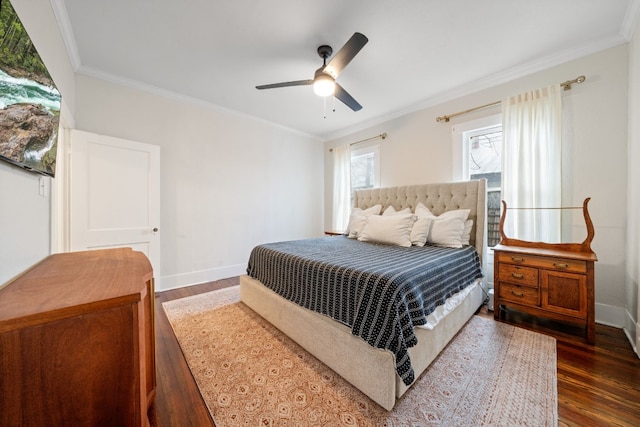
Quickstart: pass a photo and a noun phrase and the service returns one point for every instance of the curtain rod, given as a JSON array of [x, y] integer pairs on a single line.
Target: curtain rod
[[381, 136], [566, 86]]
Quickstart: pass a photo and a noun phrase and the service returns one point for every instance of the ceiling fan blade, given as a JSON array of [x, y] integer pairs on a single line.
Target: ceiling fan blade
[[286, 84], [347, 99], [346, 54]]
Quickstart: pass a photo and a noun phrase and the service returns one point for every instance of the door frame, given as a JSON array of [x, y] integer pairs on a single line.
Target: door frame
[[61, 219]]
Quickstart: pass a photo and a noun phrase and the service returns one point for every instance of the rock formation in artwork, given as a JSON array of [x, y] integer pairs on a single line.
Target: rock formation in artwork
[[23, 128]]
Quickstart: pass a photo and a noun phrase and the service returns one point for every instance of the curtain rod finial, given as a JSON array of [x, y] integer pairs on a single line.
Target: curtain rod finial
[[567, 85]]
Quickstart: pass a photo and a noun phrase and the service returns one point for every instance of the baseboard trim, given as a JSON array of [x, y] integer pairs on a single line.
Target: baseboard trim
[[197, 277], [610, 315], [632, 331], [619, 318], [634, 338], [636, 347]]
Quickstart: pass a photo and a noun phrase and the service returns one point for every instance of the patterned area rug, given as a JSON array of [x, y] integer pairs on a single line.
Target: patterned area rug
[[251, 374]]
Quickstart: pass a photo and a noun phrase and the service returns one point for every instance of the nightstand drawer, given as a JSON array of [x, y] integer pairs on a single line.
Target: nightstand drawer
[[519, 294], [552, 263], [525, 276]]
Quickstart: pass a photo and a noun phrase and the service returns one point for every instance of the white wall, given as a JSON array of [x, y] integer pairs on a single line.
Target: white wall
[[632, 288], [419, 150], [24, 220], [25, 215], [228, 182]]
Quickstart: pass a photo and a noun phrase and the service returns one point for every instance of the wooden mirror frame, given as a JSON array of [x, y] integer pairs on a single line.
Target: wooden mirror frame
[[585, 246]]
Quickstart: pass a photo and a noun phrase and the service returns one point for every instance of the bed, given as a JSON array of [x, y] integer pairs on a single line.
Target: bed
[[380, 373]]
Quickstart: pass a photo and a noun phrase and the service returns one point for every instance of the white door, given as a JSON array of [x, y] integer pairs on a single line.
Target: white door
[[115, 195]]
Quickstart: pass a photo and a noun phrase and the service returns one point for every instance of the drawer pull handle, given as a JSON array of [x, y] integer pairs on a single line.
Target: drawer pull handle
[[517, 294], [560, 265], [518, 275], [517, 259]]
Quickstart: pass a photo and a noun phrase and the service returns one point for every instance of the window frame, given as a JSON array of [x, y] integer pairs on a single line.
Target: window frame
[[460, 170], [460, 155], [461, 140], [364, 150]]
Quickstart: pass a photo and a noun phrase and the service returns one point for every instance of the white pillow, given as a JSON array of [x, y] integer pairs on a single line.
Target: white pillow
[[466, 234], [422, 211], [446, 232], [390, 229], [420, 231], [358, 219], [392, 211]]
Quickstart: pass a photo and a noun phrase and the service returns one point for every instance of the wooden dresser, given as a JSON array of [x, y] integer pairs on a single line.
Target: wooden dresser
[[551, 280], [77, 344]]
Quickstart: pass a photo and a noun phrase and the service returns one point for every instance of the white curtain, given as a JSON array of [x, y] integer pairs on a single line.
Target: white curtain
[[532, 164], [341, 187]]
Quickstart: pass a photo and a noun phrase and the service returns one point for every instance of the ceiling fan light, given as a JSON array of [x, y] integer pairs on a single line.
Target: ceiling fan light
[[324, 85]]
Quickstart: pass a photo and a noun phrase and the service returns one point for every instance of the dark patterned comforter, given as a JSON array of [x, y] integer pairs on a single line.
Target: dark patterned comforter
[[380, 291]]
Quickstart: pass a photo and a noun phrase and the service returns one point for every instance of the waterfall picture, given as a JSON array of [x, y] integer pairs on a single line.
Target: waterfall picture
[[29, 100]]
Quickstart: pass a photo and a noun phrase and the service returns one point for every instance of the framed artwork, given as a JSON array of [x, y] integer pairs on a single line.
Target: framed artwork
[[29, 100]]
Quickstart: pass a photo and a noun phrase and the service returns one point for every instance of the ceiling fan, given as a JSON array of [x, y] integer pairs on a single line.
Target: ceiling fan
[[324, 81]]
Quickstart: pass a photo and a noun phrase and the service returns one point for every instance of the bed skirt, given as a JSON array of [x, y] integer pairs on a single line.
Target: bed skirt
[[369, 369]]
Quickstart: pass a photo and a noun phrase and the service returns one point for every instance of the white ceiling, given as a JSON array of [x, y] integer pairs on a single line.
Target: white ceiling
[[420, 51]]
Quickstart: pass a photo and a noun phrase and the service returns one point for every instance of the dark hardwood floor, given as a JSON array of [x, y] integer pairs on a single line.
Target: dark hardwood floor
[[598, 385], [178, 401]]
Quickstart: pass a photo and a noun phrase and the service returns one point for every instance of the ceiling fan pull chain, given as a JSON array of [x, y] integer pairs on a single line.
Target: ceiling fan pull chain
[[324, 107]]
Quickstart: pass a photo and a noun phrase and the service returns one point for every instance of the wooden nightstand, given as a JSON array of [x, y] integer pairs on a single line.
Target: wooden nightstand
[[551, 280]]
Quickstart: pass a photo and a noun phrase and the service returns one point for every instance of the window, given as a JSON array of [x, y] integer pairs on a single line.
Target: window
[[477, 154], [484, 147], [365, 168]]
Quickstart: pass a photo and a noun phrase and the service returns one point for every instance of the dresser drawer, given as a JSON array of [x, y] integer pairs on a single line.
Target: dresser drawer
[[525, 276], [519, 294], [550, 263]]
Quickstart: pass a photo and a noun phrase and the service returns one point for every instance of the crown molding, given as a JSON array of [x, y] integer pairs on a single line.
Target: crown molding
[[630, 21], [164, 93], [62, 18], [487, 82]]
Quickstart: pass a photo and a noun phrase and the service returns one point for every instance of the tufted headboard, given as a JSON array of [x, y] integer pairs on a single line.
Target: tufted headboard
[[438, 198]]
